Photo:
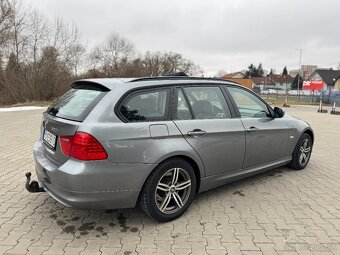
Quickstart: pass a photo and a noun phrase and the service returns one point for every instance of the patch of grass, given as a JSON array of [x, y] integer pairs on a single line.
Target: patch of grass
[[281, 101]]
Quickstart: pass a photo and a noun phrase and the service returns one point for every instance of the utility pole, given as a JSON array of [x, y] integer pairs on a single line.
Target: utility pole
[[298, 85]]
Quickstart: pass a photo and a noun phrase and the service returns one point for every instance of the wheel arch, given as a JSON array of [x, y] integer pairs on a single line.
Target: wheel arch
[[195, 167], [295, 162], [310, 133], [190, 160]]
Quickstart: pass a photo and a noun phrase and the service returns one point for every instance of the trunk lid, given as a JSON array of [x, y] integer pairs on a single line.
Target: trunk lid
[[57, 127], [64, 116]]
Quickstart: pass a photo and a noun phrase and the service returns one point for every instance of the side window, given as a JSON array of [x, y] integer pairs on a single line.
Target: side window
[[248, 104], [145, 105], [207, 102], [183, 111]]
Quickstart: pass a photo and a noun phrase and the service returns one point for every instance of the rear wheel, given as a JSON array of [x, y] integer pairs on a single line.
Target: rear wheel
[[169, 190], [302, 152]]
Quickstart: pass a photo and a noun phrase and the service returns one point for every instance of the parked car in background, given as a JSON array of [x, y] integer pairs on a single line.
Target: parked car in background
[[300, 92], [157, 142], [269, 91], [292, 92]]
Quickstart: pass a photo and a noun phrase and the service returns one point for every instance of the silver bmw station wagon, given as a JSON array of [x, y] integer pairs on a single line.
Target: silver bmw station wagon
[[158, 141]]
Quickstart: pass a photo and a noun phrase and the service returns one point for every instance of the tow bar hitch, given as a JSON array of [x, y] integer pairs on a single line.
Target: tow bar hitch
[[32, 186]]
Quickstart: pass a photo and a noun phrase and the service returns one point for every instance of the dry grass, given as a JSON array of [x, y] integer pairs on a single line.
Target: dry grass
[[30, 103], [274, 101]]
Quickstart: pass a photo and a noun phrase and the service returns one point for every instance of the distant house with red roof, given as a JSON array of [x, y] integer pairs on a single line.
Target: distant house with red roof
[[235, 75], [271, 81], [281, 81], [263, 82], [239, 78], [246, 82]]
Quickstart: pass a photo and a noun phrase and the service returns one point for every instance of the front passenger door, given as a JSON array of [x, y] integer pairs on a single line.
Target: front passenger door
[[266, 137]]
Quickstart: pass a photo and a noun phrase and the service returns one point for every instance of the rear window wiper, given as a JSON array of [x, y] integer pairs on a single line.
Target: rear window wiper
[[53, 111]]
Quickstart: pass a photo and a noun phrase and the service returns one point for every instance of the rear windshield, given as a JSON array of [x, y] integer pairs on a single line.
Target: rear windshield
[[76, 104]]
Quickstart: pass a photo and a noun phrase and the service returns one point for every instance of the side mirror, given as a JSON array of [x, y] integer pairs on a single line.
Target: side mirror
[[278, 112]]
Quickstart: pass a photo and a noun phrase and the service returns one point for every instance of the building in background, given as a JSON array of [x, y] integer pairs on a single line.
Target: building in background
[[237, 75], [337, 83], [263, 83], [270, 81], [282, 82], [239, 78], [306, 71], [327, 76], [245, 82]]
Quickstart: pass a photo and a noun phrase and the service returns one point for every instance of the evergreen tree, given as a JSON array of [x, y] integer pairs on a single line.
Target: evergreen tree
[[295, 82], [254, 71], [260, 71], [250, 71], [284, 72]]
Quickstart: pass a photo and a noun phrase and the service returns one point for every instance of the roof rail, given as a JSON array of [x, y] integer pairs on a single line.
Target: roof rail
[[156, 78]]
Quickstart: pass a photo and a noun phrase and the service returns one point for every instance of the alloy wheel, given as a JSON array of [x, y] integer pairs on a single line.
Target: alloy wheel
[[173, 190], [305, 151]]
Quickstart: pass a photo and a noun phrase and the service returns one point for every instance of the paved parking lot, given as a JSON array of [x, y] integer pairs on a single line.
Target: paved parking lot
[[278, 212]]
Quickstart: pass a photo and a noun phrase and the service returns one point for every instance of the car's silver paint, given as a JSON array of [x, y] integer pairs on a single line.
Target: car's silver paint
[[135, 149], [296, 128], [63, 127], [222, 148], [218, 180], [267, 143], [91, 184], [159, 131]]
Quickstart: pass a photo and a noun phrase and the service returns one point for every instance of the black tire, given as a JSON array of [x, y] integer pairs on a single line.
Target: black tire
[[296, 163], [150, 198]]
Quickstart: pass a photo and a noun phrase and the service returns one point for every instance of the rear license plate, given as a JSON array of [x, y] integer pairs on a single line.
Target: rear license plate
[[50, 139]]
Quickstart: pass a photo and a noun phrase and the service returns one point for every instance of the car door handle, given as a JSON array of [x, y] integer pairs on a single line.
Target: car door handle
[[196, 132], [252, 129]]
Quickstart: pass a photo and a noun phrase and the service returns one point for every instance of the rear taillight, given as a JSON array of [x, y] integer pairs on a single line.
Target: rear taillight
[[82, 146]]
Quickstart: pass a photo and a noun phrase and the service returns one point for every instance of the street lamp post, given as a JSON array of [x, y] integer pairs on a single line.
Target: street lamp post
[[299, 74]]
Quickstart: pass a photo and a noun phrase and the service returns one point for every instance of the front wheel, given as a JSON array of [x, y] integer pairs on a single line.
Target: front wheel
[[302, 152], [169, 190]]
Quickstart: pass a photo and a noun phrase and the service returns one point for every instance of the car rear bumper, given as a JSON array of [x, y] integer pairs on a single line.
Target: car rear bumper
[[91, 184]]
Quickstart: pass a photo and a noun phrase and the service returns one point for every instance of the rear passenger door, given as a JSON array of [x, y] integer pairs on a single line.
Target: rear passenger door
[[203, 116]]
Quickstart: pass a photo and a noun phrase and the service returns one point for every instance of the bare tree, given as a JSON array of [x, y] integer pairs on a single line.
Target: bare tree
[[39, 58], [39, 34], [19, 24], [220, 73], [76, 56], [13, 79], [167, 63], [95, 58], [54, 77], [152, 63], [66, 40], [6, 12], [117, 52]]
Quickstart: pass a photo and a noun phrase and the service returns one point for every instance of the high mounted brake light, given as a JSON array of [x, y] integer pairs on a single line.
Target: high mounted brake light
[[82, 146]]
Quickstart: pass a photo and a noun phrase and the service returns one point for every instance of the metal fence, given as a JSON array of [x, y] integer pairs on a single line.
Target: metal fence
[[329, 98]]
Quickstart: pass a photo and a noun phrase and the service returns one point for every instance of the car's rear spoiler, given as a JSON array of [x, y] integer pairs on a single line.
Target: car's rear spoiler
[[81, 84]]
